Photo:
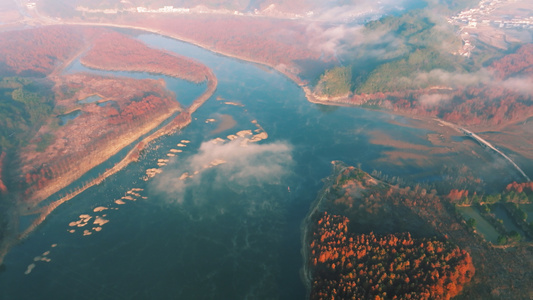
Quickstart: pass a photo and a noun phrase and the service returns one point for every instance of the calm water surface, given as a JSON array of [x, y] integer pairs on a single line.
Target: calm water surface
[[230, 232]]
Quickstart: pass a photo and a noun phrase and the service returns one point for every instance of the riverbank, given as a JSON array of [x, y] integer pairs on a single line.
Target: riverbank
[[280, 68], [95, 158], [112, 148], [307, 224], [3, 188]]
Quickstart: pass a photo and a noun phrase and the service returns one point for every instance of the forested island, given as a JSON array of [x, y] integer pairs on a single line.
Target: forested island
[[370, 239], [393, 266]]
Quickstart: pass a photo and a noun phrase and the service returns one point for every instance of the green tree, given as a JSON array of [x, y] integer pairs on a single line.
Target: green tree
[[335, 82], [24, 107], [471, 223]]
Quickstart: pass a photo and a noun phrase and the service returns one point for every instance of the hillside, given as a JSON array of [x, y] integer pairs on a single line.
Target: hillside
[[498, 95]]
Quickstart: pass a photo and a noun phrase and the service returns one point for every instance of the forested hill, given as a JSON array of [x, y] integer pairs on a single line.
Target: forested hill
[[24, 106], [410, 43]]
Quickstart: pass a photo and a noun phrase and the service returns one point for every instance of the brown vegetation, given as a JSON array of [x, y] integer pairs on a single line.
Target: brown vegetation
[[493, 105], [114, 51], [180, 121], [37, 51], [456, 195], [394, 266], [520, 62], [136, 103], [526, 187], [135, 107], [473, 106], [277, 43]]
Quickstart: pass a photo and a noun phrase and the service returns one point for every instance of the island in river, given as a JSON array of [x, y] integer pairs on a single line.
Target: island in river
[[366, 238], [72, 130]]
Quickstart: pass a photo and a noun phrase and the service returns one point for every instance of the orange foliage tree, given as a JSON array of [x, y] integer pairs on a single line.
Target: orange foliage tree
[[114, 51], [519, 62], [524, 187], [37, 51], [273, 42], [393, 266]]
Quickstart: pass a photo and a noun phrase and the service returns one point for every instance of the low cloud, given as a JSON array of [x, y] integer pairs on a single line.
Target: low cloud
[[357, 10], [438, 77], [521, 85], [354, 40], [452, 79], [434, 99], [342, 34], [330, 40], [349, 13], [233, 163]]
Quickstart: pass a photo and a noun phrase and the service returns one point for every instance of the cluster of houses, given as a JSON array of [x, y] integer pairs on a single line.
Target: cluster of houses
[[482, 15], [164, 9]]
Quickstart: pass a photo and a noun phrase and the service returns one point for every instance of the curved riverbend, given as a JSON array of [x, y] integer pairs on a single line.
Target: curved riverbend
[[181, 120], [210, 236]]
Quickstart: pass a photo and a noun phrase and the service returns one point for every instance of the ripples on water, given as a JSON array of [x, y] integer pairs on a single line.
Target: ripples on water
[[228, 229]]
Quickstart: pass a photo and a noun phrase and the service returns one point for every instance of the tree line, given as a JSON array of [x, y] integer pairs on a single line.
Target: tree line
[[393, 266]]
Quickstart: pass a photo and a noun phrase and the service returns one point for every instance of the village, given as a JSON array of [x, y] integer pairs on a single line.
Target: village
[[199, 9], [484, 14], [500, 14]]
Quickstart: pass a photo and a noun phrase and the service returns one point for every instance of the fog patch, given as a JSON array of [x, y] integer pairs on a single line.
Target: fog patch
[[359, 10], [521, 85], [329, 40], [432, 100], [235, 164], [358, 41], [454, 79]]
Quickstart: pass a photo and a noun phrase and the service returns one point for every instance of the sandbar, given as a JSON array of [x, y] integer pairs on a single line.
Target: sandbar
[[99, 209], [29, 269], [100, 221]]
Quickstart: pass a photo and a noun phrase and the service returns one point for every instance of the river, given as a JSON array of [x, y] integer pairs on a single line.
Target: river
[[229, 231]]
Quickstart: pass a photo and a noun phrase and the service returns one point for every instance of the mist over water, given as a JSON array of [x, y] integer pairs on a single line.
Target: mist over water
[[230, 231], [243, 165]]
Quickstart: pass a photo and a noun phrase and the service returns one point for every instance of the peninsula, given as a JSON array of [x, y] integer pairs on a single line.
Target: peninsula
[[125, 111], [359, 225]]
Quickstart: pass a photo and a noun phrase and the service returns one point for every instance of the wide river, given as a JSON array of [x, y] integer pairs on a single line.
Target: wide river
[[217, 220]]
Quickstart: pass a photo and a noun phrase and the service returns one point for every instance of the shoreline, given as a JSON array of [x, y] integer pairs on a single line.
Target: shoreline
[[305, 273], [180, 121], [344, 101], [293, 77], [94, 66], [309, 95]]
